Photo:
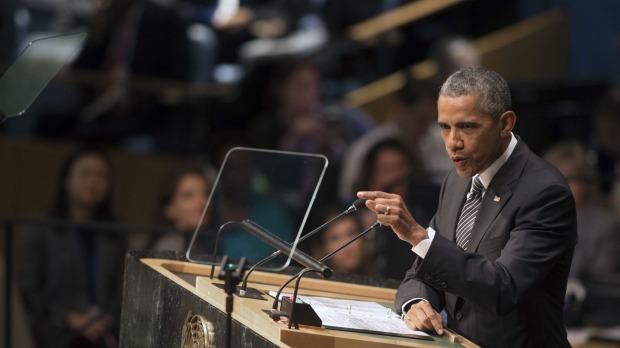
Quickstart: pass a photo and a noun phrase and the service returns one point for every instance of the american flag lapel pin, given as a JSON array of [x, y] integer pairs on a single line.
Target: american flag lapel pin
[[496, 199]]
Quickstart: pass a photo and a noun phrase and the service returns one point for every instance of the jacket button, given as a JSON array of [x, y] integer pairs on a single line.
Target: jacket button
[[443, 285], [459, 316]]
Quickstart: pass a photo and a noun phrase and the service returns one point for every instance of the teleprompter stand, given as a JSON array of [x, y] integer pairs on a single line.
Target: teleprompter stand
[[231, 277]]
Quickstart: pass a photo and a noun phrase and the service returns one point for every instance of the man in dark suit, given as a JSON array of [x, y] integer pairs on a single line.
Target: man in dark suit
[[501, 273]]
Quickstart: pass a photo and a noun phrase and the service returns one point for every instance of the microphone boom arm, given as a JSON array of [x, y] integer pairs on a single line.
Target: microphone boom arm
[[376, 224], [355, 206], [277, 243]]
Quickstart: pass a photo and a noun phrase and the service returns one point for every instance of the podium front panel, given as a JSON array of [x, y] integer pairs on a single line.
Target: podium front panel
[[160, 293]]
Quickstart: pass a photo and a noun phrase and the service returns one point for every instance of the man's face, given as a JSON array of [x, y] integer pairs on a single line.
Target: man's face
[[473, 139]]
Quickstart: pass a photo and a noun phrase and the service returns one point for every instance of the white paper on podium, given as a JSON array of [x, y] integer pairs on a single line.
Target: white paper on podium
[[359, 316]]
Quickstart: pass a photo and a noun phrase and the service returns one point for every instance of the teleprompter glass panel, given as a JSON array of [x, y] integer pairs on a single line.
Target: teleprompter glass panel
[[273, 189], [35, 67]]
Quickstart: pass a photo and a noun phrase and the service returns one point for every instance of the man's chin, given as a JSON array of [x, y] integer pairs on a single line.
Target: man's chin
[[464, 173]]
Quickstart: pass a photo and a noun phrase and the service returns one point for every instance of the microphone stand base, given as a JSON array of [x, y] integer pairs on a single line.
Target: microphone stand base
[[304, 314]]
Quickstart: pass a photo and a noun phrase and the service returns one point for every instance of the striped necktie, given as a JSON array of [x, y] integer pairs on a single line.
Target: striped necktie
[[468, 214]]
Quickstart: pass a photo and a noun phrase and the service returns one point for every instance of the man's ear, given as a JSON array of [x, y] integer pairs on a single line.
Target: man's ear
[[507, 122]]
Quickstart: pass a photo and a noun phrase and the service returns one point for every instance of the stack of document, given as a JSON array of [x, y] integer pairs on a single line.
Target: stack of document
[[359, 316]]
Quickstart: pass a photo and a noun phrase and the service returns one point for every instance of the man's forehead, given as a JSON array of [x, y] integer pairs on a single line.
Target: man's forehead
[[468, 102], [459, 98]]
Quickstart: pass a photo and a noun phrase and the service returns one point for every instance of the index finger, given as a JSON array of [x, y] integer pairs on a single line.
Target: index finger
[[373, 194], [434, 317]]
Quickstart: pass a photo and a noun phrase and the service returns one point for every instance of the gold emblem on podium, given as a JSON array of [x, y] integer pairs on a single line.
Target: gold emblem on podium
[[198, 332]]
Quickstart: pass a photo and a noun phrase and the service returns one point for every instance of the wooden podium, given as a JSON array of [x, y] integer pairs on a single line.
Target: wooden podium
[[163, 297]]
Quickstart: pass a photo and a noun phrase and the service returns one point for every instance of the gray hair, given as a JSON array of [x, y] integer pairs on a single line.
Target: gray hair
[[492, 89]]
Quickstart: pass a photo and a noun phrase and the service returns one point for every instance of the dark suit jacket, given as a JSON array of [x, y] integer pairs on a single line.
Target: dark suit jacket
[[510, 291], [53, 278]]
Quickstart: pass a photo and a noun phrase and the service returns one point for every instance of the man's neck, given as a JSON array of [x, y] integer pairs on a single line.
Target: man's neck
[[487, 175]]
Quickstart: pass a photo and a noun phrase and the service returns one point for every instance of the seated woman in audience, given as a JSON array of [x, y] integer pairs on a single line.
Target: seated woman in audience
[[183, 199], [70, 267], [597, 254], [597, 226], [354, 258], [389, 165]]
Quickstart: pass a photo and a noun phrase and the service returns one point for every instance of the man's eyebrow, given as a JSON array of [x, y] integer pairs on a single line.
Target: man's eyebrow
[[467, 123]]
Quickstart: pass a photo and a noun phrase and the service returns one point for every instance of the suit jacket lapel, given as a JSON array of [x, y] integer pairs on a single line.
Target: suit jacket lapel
[[498, 193], [500, 187], [462, 186]]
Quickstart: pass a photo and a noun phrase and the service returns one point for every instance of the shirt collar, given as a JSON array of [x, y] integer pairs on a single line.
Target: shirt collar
[[489, 173]]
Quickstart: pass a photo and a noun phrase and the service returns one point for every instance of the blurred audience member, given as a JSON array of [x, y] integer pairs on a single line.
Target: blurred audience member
[[183, 199], [597, 226], [120, 90], [597, 253], [607, 122], [70, 270], [356, 63], [297, 120], [412, 120], [390, 166], [303, 33], [235, 23], [356, 257], [131, 38], [451, 53]]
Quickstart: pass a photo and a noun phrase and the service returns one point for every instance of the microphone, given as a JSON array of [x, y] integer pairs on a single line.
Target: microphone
[[357, 205], [276, 242], [275, 314]]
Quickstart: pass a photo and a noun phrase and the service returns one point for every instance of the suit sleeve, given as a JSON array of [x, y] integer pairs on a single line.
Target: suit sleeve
[[540, 229], [411, 287], [31, 281]]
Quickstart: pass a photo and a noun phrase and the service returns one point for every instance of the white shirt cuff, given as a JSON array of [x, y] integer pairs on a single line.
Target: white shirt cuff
[[412, 301], [422, 248]]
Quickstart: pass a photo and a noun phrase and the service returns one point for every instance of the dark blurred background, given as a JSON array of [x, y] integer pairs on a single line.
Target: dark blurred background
[[166, 83]]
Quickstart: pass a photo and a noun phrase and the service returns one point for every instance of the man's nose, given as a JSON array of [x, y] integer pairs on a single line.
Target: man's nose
[[454, 141]]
